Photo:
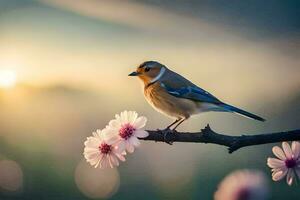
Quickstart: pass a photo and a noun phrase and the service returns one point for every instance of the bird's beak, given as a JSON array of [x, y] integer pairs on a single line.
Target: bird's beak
[[134, 74]]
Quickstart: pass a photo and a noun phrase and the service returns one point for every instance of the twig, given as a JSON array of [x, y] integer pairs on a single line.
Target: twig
[[207, 135]]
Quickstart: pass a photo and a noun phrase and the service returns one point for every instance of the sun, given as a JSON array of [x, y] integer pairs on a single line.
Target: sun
[[8, 79]]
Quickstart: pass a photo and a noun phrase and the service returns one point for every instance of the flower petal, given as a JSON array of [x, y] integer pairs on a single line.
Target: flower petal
[[134, 141], [113, 160], [277, 176], [104, 162], [121, 157], [287, 149], [120, 147], [132, 116], [275, 163], [290, 177], [296, 149], [141, 133], [112, 140], [279, 153], [129, 147], [124, 117], [92, 142], [140, 122], [115, 124]]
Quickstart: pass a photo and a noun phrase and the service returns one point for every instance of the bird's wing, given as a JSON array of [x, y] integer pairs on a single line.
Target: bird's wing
[[180, 87]]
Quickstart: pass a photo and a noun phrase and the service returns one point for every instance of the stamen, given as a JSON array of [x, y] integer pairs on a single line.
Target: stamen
[[105, 148], [290, 163], [126, 131]]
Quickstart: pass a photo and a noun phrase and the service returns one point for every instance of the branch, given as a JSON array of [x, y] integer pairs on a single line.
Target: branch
[[207, 135]]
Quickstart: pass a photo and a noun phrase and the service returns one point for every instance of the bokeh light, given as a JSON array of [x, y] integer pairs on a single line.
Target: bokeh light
[[11, 176], [96, 183]]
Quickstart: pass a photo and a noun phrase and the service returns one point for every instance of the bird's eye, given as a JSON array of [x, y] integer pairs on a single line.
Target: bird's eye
[[147, 69]]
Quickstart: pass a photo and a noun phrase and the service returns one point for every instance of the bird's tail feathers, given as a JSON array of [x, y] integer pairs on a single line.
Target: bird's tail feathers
[[242, 112]]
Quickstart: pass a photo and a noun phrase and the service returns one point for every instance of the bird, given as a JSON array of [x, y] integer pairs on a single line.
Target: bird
[[175, 96]]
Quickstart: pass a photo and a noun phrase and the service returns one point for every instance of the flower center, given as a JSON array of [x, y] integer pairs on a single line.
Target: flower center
[[290, 163], [243, 194], [126, 131], [105, 148]]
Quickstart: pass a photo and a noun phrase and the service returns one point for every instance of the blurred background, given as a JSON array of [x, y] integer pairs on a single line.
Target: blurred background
[[63, 74]]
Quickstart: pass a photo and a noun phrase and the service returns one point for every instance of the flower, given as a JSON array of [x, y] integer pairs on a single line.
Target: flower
[[100, 150], [127, 127], [243, 185], [287, 162]]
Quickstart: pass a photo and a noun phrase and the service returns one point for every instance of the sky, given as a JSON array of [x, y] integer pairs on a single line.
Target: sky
[[79, 41]]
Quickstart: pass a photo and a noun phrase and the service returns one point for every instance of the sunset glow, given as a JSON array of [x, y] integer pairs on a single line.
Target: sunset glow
[[8, 78]]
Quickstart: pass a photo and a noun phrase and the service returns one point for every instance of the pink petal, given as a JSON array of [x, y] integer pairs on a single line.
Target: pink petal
[[275, 163], [114, 160], [92, 155], [129, 147], [120, 147], [114, 123], [121, 157], [100, 161], [141, 134], [287, 149], [277, 176], [88, 150], [96, 163], [104, 163], [296, 149], [279, 153], [132, 115], [124, 117], [290, 177], [140, 122], [112, 140], [92, 142], [134, 141]]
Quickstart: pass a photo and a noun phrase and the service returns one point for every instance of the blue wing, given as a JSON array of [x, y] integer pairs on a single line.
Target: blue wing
[[191, 92], [180, 87]]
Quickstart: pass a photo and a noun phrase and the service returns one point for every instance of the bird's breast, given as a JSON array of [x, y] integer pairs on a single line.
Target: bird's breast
[[167, 104]]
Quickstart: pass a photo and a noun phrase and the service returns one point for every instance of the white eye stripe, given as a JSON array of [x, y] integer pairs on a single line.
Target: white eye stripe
[[161, 73]]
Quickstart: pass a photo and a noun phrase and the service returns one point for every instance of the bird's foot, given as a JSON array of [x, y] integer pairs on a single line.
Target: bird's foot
[[162, 131], [174, 130], [166, 132]]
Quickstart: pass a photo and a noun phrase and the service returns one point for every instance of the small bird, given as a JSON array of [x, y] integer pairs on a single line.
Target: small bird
[[177, 97]]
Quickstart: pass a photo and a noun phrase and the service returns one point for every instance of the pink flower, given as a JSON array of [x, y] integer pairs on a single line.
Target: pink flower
[[100, 150], [287, 162], [243, 185], [127, 127]]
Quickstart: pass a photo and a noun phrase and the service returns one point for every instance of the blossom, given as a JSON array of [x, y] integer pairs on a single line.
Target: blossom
[[243, 185], [127, 127], [287, 162], [100, 150]]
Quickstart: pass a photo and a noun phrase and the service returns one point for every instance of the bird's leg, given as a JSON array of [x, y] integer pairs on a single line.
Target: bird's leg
[[168, 127], [180, 122], [167, 130], [166, 140]]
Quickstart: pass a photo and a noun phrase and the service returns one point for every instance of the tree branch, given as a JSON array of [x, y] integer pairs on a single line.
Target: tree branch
[[207, 135]]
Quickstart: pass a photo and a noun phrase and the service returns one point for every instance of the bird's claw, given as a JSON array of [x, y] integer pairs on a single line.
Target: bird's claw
[[165, 133]]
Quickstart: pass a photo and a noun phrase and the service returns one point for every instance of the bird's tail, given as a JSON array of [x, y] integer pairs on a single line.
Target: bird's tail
[[241, 112]]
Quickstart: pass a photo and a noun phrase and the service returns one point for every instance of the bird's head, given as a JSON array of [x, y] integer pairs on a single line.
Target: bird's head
[[149, 71]]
